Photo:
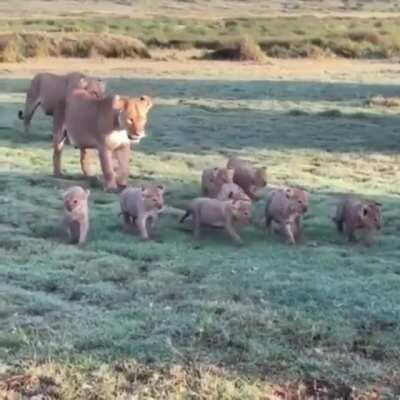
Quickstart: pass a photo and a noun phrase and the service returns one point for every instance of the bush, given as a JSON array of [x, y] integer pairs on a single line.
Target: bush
[[245, 49], [14, 48]]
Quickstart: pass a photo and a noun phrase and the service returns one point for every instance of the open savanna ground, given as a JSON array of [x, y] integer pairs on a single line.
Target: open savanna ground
[[176, 318]]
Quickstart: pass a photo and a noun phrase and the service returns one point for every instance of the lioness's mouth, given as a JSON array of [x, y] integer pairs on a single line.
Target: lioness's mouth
[[136, 137]]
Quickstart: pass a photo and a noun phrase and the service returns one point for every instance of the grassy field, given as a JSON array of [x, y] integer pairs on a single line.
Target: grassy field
[[175, 318], [279, 36]]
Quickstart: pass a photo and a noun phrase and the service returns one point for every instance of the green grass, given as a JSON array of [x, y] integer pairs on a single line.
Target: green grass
[[324, 312], [302, 36]]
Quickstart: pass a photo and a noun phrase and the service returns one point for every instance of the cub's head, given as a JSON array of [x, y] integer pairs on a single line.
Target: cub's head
[[132, 115], [241, 210], [224, 175], [74, 197], [258, 180], [94, 86], [298, 199], [153, 196], [370, 215]]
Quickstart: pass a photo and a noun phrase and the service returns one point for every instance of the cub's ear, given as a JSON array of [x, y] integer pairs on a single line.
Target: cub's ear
[[161, 188], [363, 211], [230, 174], [144, 189], [119, 103], [83, 83], [378, 204], [262, 171], [87, 193], [289, 192]]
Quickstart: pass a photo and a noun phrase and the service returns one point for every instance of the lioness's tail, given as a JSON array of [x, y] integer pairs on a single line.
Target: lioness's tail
[[187, 214]]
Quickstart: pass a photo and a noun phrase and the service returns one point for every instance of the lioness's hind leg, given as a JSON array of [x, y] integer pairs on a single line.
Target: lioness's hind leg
[[85, 162]]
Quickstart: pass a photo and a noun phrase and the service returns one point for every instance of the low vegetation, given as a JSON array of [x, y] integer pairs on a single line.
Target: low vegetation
[[201, 318], [283, 37]]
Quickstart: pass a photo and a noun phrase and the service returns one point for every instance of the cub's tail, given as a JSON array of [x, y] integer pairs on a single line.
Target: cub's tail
[[21, 115], [187, 213]]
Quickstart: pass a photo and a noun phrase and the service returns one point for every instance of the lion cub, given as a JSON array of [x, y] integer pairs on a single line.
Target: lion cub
[[354, 216], [213, 212], [140, 205], [250, 179], [212, 180], [286, 207], [76, 213]]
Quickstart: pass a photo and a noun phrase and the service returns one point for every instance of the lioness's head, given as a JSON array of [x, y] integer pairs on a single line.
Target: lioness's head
[[94, 86], [74, 197], [153, 196], [132, 115]]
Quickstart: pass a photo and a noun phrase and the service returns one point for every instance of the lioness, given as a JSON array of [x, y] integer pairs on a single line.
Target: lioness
[[49, 90], [108, 124]]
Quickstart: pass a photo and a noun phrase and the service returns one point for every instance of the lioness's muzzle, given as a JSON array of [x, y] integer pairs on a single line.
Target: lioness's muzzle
[[136, 136]]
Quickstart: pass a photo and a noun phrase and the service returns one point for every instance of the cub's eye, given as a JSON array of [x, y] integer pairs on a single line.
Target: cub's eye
[[75, 201], [130, 121], [300, 202]]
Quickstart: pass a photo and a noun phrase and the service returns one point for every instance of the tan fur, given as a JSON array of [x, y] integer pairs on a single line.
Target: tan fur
[[250, 179], [212, 180], [356, 216], [49, 91], [138, 205], [109, 125], [76, 214], [213, 212], [285, 207], [232, 191]]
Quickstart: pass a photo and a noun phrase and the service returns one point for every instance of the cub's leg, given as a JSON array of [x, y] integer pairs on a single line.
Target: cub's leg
[[74, 229], [287, 229], [141, 225], [83, 231], [232, 233], [196, 225], [123, 155], [85, 162], [110, 182]]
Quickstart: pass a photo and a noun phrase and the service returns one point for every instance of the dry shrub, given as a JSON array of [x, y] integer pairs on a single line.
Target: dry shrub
[[370, 37], [14, 48], [11, 48], [245, 49], [380, 101]]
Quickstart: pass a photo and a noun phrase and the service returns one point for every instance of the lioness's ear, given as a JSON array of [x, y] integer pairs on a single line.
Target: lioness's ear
[[119, 103], [147, 101]]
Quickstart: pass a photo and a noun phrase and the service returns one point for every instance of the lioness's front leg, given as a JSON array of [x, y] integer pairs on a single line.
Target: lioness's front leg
[[123, 155], [110, 182]]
